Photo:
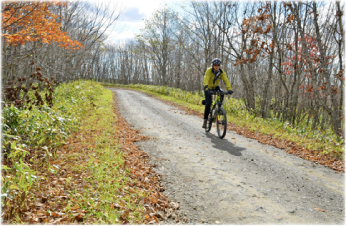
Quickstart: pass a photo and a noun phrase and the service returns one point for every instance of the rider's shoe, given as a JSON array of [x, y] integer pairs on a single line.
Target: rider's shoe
[[205, 123]]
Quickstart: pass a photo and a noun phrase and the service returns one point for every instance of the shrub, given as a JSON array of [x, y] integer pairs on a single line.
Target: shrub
[[40, 129]]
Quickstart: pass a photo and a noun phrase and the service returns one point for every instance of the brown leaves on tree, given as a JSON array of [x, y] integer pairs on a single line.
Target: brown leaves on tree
[[287, 4], [289, 18], [25, 21], [260, 26], [16, 91]]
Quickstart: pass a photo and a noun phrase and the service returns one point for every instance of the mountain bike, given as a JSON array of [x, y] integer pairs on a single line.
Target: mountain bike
[[217, 113]]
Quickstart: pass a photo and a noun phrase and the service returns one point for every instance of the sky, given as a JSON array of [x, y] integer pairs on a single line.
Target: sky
[[133, 15]]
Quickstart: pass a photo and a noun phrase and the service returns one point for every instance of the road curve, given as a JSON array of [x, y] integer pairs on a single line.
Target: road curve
[[231, 181]]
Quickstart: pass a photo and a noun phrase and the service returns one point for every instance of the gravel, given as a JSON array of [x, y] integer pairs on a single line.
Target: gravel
[[234, 180]]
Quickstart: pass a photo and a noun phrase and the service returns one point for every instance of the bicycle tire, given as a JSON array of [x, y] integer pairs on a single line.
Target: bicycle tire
[[221, 123], [209, 124]]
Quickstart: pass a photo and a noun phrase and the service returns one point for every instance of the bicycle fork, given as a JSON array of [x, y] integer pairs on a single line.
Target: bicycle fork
[[213, 113]]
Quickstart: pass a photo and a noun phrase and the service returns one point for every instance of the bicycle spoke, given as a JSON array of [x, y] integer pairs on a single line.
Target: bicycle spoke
[[221, 123], [209, 124]]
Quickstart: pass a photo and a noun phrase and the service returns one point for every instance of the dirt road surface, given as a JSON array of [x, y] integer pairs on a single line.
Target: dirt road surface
[[231, 181]]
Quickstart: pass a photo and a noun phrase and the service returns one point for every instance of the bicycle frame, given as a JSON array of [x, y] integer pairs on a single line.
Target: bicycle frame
[[216, 112], [216, 102]]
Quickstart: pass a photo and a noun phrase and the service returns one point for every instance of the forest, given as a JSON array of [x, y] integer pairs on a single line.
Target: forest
[[62, 134], [283, 59]]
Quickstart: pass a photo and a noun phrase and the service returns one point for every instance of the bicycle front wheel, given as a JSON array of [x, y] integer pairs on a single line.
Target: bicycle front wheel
[[209, 124], [221, 122]]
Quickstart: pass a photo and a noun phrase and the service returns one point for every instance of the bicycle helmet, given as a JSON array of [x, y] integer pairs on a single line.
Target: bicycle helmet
[[216, 61]]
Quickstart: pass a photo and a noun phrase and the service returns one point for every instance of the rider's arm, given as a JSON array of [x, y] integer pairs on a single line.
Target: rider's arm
[[206, 78], [223, 76]]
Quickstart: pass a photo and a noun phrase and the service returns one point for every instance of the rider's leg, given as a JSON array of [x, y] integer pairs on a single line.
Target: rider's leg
[[207, 108], [208, 104], [222, 96]]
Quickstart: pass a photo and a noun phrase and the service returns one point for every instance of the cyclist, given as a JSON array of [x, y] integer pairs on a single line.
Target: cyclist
[[211, 82]]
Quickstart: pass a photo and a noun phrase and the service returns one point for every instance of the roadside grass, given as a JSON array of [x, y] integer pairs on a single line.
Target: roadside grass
[[29, 138], [77, 173], [109, 176], [322, 142]]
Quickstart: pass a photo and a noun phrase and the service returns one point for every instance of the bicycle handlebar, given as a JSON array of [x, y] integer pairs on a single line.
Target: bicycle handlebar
[[214, 92]]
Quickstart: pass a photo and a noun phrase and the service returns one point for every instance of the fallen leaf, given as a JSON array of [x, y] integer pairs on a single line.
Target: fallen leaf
[[55, 214], [174, 205], [75, 208], [319, 209]]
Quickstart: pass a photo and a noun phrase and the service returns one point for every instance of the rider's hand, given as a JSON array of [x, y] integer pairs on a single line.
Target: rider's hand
[[230, 92], [205, 87]]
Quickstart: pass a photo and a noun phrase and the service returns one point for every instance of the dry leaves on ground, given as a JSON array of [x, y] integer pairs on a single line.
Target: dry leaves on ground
[[291, 148], [157, 206]]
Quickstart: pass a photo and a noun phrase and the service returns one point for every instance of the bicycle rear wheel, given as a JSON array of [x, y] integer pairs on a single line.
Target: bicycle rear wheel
[[221, 122]]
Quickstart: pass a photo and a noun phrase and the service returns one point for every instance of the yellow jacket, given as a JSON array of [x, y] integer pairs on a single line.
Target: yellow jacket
[[209, 78]]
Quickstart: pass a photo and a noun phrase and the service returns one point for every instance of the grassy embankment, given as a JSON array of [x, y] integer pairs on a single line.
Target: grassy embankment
[[63, 164], [321, 142]]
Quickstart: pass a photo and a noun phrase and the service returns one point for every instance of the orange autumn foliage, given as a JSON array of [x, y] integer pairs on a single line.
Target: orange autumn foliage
[[32, 21]]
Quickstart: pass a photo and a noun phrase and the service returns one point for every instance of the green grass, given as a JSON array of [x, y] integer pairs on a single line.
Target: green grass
[[37, 130], [322, 141], [106, 166], [82, 111]]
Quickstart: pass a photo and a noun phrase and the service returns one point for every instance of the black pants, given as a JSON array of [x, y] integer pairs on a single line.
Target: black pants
[[208, 100]]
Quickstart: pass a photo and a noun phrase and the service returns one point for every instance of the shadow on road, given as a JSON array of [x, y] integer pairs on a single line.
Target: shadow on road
[[224, 145]]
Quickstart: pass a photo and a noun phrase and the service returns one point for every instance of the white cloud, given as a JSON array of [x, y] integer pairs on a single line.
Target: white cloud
[[144, 7], [118, 37], [134, 11], [131, 19]]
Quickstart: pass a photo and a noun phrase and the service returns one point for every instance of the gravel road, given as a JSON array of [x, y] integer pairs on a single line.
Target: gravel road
[[231, 181]]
